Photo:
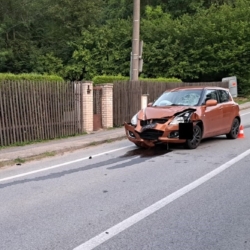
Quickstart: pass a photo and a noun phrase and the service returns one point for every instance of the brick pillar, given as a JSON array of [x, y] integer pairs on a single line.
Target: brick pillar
[[87, 106], [107, 105]]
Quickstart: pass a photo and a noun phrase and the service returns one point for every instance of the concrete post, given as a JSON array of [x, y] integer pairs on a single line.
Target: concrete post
[[144, 101], [107, 105], [87, 106]]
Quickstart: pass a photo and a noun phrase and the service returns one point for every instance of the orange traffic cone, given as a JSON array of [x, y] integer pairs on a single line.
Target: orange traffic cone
[[241, 133]]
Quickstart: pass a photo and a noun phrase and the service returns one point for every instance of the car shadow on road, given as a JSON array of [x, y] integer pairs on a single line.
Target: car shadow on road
[[148, 152]]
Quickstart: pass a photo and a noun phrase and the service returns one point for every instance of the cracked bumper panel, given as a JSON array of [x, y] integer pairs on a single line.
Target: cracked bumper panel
[[149, 137], [134, 136]]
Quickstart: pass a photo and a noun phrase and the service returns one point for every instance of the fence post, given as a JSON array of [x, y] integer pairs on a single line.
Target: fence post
[[144, 101], [107, 105], [87, 106]]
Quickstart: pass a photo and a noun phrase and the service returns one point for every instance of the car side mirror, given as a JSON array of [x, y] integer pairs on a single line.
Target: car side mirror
[[150, 104], [211, 102]]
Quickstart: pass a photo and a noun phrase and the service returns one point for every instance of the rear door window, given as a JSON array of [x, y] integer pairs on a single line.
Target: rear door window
[[224, 96]]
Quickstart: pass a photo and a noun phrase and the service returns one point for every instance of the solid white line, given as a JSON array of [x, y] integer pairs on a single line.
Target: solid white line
[[245, 114], [60, 165], [111, 232]]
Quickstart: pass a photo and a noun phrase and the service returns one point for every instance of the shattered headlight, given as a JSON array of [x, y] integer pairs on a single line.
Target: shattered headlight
[[181, 118], [177, 120], [134, 120]]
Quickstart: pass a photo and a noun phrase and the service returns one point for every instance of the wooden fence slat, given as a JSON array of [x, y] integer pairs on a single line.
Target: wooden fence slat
[[7, 114], [30, 113], [17, 111], [40, 108], [43, 107], [57, 104], [13, 120], [2, 120], [51, 117], [63, 108], [54, 109], [24, 112], [47, 101], [34, 111], [27, 108]]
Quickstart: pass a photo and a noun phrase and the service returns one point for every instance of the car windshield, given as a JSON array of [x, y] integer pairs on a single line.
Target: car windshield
[[179, 98]]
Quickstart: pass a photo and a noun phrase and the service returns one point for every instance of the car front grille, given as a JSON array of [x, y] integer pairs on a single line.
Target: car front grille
[[146, 122], [151, 134]]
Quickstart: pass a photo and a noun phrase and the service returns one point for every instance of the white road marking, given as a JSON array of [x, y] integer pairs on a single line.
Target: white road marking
[[245, 114], [60, 165], [111, 232]]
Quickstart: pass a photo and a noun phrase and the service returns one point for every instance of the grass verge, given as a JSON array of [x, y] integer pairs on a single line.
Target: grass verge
[[241, 99]]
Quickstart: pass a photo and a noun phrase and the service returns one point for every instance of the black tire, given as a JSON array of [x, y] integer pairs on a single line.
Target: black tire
[[194, 143], [235, 128]]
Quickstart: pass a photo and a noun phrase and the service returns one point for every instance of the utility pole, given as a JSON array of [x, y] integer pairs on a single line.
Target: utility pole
[[134, 71]]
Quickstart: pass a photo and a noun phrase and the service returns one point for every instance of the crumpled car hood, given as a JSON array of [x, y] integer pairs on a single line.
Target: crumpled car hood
[[160, 112]]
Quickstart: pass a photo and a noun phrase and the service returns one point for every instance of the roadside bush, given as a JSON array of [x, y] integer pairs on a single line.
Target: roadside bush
[[30, 77], [111, 79], [161, 79]]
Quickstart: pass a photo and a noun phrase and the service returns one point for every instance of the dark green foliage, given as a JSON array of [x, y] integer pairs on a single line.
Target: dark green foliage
[[192, 40], [161, 79], [206, 46], [30, 77], [111, 79], [108, 79]]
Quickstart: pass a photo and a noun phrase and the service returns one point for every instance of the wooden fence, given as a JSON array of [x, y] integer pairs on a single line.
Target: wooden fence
[[127, 96], [31, 111]]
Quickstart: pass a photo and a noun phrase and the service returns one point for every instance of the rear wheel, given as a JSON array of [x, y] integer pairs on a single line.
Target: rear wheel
[[233, 134], [194, 143]]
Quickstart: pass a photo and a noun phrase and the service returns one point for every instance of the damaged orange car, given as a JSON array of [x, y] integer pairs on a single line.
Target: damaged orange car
[[185, 115]]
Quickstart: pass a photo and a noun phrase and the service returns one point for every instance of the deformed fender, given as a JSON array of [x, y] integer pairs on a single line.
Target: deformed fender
[[184, 111], [186, 128], [195, 117], [192, 117]]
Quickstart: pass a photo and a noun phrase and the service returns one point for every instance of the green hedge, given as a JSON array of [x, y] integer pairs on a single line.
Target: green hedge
[[111, 79], [161, 79], [30, 77], [108, 79]]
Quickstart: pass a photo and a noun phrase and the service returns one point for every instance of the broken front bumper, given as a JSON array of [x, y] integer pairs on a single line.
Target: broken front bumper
[[149, 136]]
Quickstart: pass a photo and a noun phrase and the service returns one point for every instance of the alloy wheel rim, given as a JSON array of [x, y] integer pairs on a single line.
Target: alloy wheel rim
[[196, 137]]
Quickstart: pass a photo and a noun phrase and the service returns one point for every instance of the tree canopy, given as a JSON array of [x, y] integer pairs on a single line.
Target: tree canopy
[[194, 40]]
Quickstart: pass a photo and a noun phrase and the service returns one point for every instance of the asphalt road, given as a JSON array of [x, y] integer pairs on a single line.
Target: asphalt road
[[115, 196]]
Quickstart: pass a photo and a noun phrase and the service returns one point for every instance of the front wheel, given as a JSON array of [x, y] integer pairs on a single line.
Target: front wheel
[[194, 143], [233, 134]]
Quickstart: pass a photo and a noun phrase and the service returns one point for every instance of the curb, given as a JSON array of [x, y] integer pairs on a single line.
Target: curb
[[20, 160]]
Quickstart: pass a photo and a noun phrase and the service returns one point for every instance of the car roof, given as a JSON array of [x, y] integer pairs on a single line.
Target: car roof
[[195, 87]]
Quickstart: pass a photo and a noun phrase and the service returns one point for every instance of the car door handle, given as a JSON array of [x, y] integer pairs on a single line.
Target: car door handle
[[220, 107]]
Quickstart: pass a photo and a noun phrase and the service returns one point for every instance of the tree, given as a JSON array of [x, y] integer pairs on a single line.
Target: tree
[[104, 50]]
